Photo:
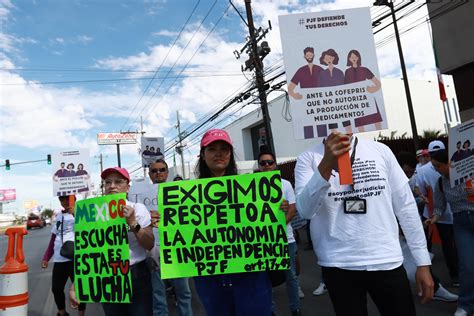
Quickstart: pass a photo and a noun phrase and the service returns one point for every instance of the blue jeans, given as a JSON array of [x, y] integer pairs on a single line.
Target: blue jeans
[[464, 236], [183, 295], [292, 283], [240, 294], [141, 294]]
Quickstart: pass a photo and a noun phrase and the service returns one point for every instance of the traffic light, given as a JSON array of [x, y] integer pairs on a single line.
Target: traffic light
[[7, 164], [49, 159]]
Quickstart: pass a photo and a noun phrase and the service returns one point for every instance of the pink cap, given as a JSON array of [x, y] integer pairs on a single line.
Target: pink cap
[[213, 135], [123, 172]]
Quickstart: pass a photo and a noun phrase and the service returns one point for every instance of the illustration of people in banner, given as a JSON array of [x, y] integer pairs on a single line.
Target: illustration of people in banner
[[71, 176], [461, 153], [338, 87], [152, 149]]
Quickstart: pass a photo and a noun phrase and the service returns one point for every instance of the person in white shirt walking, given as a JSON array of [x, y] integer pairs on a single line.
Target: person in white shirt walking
[[359, 250]]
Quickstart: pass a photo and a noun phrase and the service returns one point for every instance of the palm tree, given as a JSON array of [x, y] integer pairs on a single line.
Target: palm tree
[[433, 134]]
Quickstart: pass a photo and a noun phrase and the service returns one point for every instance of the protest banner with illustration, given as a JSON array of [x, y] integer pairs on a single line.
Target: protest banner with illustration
[[152, 149], [332, 72], [102, 254], [461, 153], [222, 225], [70, 172]]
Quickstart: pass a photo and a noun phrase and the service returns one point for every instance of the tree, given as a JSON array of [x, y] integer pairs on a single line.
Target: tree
[[47, 213], [433, 134]]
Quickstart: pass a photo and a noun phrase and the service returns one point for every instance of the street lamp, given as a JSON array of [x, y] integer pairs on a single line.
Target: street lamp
[[404, 70]]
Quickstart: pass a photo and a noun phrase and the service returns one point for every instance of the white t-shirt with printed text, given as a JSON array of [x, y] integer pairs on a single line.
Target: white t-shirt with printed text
[[65, 223], [360, 241], [289, 195]]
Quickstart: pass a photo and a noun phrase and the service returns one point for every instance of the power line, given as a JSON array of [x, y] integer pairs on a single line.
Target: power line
[[59, 70], [30, 83], [195, 52], [156, 72], [209, 118], [176, 61]]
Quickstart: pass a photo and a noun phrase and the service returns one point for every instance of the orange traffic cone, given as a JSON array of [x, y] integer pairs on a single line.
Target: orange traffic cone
[[14, 276]]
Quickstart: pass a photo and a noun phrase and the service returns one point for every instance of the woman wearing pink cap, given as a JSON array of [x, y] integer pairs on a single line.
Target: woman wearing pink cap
[[140, 238], [229, 294]]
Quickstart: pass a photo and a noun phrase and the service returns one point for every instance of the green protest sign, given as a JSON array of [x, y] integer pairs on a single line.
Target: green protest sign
[[101, 250], [222, 225]]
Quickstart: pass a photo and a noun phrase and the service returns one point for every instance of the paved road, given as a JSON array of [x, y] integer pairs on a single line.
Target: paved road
[[42, 302]]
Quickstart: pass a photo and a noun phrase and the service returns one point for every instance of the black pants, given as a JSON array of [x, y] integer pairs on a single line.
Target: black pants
[[448, 245], [142, 298], [61, 272], [390, 291]]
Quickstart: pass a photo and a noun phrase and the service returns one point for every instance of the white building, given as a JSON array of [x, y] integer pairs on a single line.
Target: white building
[[429, 114]]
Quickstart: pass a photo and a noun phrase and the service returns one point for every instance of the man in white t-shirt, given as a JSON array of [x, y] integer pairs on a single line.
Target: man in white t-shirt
[[267, 162], [426, 181], [359, 250]]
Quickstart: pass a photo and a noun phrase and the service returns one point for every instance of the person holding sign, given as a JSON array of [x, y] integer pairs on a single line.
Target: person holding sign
[[463, 225], [240, 294], [140, 238], [267, 162], [358, 249], [63, 268], [158, 173]]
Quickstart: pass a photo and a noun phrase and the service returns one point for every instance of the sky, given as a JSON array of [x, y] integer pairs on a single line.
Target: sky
[[72, 69]]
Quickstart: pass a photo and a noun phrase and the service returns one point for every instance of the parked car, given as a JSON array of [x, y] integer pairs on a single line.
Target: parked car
[[47, 220], [34, 221]]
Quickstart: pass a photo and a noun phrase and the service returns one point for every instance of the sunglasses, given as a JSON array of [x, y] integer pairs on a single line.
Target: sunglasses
[[266, 162], [156, 170]]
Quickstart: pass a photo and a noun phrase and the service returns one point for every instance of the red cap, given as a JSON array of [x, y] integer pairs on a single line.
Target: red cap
[[213, 135], [123, 172], [422, 152]]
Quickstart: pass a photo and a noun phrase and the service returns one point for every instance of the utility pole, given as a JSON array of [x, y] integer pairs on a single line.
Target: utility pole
[[118, 156], [101, 162], [404, 70], [179, 149], [143, 133], [256, 62]]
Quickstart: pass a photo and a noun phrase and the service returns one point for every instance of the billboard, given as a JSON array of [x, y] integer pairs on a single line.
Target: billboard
[[332, 72], [7, 195], [116, 138]]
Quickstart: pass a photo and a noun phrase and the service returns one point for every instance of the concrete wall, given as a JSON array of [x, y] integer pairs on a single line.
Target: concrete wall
[[453, 33]]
